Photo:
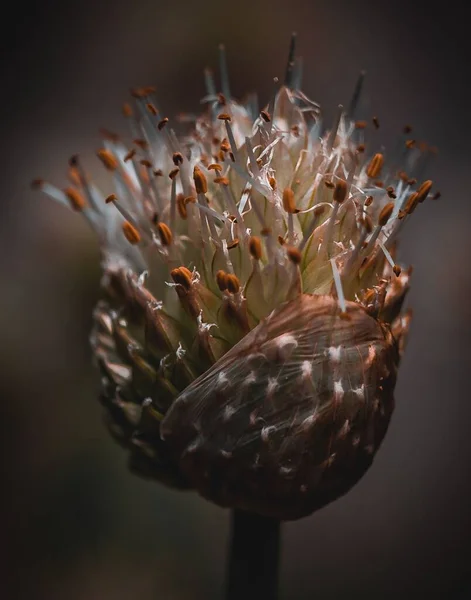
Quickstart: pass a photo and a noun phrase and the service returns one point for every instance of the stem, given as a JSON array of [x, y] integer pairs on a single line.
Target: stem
[[253, 558]]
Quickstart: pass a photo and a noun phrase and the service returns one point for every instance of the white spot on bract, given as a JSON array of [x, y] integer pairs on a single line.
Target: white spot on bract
[[335, 353], [371, 356], [286, 471], [225, 454], [272, 385], [251, 378], [266, 432], [195, 444], [221, 379], [286, 343], [338, 389], [306, 369], [146, 402], [360, 392], [228, 412], [309, 421]]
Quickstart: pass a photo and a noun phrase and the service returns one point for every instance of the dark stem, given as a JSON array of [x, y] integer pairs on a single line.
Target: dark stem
[[253, 557]]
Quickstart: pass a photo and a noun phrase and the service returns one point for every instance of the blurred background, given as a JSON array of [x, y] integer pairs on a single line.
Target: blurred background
[[76, 524]]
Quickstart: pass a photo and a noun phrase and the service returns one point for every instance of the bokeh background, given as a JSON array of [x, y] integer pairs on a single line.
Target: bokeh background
[[76, 525]]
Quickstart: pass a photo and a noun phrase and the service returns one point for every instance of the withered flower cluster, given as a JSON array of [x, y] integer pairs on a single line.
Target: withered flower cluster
[[251, 324]]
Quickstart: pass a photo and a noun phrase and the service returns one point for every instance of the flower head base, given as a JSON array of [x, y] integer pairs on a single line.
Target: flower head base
[[251, 325]]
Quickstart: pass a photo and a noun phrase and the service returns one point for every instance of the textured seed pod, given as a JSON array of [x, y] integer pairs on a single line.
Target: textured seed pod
[[251, 322], [290, 418]]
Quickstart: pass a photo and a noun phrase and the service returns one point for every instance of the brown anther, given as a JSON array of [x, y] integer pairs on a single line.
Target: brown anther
[[182, 276], [391, 192], [329, 184], [127, 110], [403, 176], [295, 130], [361, 148], [143, 92], [424, 190], [37, 184], [340, 191], [288, 200], [107, 135], [165, 234], [319, 210], [151, 108], [161, 124], [108, 159], [397, 270], [77, 201], [155, 219], [131, 233], [221, 280], [222, 180], [375, 122], [367, 224], [281, 240], [375, 166], [272, 182], [199, 178], [181, 206], [412, 181], [219, 156], [407, 129], [410, 144], [189, 199], [360, 124], [385, 213], [214, 167], [294, 255], [222, 99], [141, 144], [174, 172], [158, 173], [379, 183], [369, 296], [255, 247], [146, 163], [225, 146], [131, 154], [216, 140], [265, 116], [369, 201], [110, 198], [233, 284], [177, 158], [233, 244], [436, 196], [401, 214], [224, 117], [265, 231], [411, 203]]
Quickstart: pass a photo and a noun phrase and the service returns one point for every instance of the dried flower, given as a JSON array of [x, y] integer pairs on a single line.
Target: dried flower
[[251, 324]]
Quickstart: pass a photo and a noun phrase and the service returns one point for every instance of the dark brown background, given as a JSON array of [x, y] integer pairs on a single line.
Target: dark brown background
[[76, 524]]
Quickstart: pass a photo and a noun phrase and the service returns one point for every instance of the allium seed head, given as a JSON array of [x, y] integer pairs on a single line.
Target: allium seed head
[[251, 324]]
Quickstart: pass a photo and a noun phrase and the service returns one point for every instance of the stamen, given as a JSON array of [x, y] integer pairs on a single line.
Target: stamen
[[108, 159], [165, 234], [77, 201], [375, 121], [255, 247], [375, 166], [182, 275], [221, 280], [232, 282], [338, 286], [424, 190], [265, 116], [288, 200], [294, 255], [131, 233], [161, 124], [396, 268], [201, 184], [209, 82]]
